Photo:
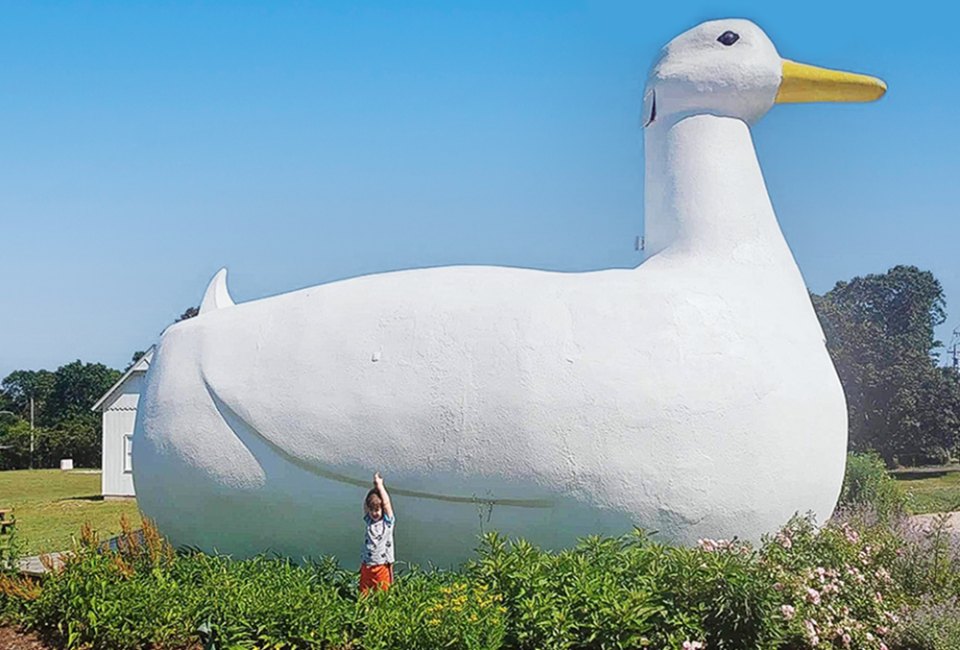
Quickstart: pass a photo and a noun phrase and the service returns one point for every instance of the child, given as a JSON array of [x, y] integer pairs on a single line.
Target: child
[[376, 562]]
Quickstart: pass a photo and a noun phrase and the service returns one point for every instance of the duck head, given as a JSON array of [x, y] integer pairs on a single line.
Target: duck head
[[731, 68]]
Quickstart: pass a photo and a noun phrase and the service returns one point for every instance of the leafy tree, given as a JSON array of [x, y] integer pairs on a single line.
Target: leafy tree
[[75, 438], [20, 385], [15, 446], [189, 313], [880, 333], [6, 404], [7, 422], [76, 387], [133, 359]]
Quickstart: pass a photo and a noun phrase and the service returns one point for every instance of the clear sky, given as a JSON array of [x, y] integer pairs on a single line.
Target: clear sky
[[144, 145]]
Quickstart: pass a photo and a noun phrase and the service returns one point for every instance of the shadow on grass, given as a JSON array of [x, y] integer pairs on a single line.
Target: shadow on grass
[[916, 476], [92, 497]]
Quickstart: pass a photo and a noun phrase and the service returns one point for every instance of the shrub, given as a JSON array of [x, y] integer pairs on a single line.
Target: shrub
[[629, 592], [835, 583], [15, 590], [143, 594], [122, 599], [931, 626], [265, 602], [425, 611], [928, 559], [860, 581], [867, 483]]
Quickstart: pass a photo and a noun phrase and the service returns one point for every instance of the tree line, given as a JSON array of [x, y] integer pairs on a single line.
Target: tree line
[[879, 330], [50, 412]]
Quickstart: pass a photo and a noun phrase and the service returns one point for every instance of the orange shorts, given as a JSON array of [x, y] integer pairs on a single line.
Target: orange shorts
[[375, 576]]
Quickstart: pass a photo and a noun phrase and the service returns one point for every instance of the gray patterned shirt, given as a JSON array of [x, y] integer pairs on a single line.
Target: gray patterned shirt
[[378, 542]]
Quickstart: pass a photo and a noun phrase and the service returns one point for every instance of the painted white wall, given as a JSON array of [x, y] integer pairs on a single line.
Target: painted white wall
[[119, 417], [692, 396]]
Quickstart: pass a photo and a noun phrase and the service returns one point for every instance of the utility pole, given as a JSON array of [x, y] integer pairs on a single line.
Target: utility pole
[[955, 349], [31, 432]]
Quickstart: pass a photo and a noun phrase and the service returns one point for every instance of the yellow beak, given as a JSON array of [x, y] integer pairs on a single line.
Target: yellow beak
[[808, 83]]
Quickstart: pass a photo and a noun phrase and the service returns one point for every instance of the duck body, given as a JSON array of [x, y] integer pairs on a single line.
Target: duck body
[[692, 396]]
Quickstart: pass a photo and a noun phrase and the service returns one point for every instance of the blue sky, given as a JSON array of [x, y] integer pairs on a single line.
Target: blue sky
[[143, 146]]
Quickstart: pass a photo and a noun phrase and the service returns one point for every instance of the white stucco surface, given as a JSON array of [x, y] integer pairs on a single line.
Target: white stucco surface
[[692, 395]]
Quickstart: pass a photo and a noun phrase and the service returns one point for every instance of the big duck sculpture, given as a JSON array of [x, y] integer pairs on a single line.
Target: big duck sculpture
[[692, 395]]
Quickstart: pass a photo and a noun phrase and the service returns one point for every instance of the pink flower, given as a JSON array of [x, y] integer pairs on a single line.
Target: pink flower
[[813, 596], [811, 630], [852, 536], [846, 640], [787, 611], [883, 646], [784, 540], [692, 645], [708, 545]]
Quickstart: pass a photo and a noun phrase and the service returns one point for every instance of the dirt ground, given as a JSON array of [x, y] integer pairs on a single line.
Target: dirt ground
[[952, 523], [12, 639]]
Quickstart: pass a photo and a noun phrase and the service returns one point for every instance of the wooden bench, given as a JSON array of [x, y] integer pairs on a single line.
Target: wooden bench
[[7, 522]]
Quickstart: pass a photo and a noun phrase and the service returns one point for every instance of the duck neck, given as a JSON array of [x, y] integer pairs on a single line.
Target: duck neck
[[705, 192]]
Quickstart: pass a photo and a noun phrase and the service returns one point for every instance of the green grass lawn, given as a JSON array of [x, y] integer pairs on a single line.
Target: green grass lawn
[[932, 492], [51, 506]]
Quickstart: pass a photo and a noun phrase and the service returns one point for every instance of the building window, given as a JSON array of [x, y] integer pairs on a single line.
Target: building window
[[127, 453]]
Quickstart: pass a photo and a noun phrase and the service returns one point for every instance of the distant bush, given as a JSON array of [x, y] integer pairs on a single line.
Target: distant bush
[[867, 483]]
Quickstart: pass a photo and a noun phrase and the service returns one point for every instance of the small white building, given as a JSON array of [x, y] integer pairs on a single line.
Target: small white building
[[119, 408]]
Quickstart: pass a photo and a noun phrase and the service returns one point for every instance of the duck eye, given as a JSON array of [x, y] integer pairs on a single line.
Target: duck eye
[[728, 38]]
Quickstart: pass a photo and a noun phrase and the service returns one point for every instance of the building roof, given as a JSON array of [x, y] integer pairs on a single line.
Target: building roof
[[141, 366]]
